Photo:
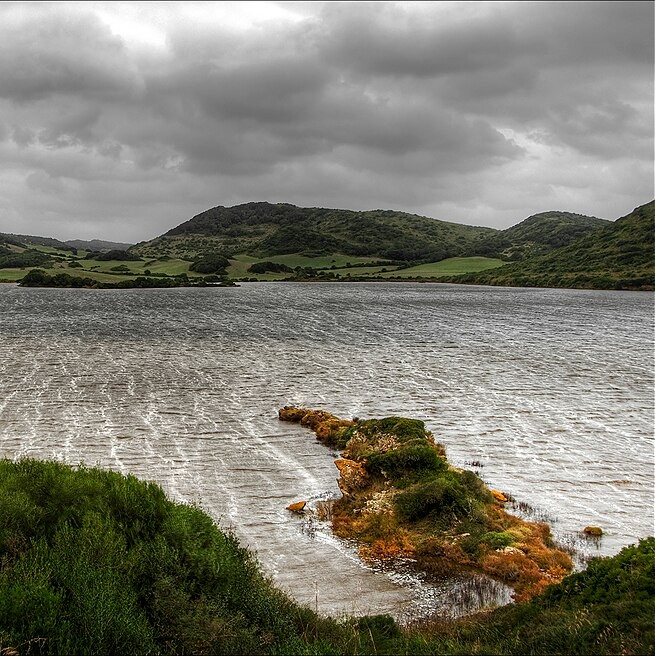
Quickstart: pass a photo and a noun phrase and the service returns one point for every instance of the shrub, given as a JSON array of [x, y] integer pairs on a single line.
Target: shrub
[[497, 540], [213, 263], [400, 427], [269, 267], [414, 458], [442, 495]]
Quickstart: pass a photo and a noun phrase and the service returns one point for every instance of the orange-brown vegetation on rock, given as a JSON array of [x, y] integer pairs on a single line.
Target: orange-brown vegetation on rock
[[398, 546], [594, 531], [352, 475], [291, 413], [499, 496], [324, 424], [402, 500]]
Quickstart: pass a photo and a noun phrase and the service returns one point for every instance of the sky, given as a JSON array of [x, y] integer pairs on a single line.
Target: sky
[[120, 121]]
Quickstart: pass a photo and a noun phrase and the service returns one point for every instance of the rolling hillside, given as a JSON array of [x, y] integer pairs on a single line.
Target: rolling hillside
[[546, 231], [264, 241], [620, 255], [265, 229]]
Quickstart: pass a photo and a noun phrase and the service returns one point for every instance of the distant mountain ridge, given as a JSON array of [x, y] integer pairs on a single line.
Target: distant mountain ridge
[[70, 244]]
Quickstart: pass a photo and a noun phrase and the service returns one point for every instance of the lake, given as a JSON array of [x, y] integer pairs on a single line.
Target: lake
[[547, 394]]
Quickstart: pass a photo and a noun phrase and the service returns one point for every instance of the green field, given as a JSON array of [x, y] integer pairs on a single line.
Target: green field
[[450, 267], [341, 266], [240, 263]]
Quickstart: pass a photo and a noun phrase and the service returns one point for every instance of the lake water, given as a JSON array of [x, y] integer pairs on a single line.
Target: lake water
[[548, 392]]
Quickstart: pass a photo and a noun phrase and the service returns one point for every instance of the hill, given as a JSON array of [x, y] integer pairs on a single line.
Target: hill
[[264, 241], [265, 229], [544, 232], [94, 562], [31, 240], [620, 255], [98, 245]]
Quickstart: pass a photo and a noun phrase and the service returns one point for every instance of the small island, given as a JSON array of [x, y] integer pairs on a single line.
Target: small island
[[402, 500]]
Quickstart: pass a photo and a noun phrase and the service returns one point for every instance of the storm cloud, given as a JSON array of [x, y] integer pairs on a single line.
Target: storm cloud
[[121, 120]]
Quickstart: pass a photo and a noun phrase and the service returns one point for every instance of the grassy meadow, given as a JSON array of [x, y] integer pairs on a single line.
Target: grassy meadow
[[450, 267], [335, 266]]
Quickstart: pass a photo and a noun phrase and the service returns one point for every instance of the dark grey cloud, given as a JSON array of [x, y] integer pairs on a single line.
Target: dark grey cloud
[[49, 51], [122, 120]]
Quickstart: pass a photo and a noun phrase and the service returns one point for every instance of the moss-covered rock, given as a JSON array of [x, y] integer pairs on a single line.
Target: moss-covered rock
[[402, 499]]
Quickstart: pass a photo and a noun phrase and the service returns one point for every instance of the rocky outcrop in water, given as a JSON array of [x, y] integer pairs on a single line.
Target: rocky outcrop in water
[[403, 500], [593, 531], [297, 507]]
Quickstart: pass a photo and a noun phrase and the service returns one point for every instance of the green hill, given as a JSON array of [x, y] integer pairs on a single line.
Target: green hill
[[31, 240], [265, 230], [93, 562], [322, 243], [544, 232], [620, 255]]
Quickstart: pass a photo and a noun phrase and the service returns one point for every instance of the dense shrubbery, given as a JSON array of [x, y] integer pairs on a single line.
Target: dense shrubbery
[[269, 267], [213, 264], [93, 562], [28, 258], [442, 495], [40, 278], [409, 461], [97, 563]]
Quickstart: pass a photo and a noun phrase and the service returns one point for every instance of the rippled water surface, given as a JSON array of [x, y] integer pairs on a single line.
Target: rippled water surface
[[548, 392]]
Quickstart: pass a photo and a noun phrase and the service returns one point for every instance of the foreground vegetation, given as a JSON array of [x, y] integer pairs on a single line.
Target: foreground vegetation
[[93, 562]]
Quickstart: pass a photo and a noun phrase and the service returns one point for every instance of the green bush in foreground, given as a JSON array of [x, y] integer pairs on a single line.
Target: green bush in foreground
[[93, 562]]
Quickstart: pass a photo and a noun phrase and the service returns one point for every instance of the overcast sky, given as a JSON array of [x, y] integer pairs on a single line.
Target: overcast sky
[[121, 120]]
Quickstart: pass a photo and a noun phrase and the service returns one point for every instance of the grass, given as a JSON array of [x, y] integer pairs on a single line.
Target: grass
[[449, 267], [101, 270], [239, 264]]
